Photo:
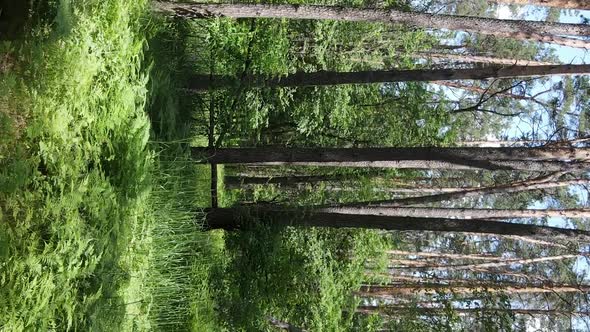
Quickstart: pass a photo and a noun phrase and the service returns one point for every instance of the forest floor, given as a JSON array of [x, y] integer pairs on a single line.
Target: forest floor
[[97, 213]]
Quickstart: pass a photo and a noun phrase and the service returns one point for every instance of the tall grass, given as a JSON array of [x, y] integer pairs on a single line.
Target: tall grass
[[181, 256]]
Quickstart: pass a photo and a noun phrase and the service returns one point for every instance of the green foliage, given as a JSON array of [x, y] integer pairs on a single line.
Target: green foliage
[[304, 277], [79, 176], [180, 256], [85, 243]]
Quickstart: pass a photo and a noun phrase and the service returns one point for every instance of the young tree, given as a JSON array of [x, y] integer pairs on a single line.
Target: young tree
[[524, 30]]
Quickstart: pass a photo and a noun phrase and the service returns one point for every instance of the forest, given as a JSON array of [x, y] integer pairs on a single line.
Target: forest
[[300, 166]]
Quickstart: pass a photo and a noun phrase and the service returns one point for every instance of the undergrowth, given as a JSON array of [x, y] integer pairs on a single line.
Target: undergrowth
[[93, 235]]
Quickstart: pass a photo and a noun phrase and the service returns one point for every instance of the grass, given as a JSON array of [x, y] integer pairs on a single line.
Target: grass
[[98, 228]]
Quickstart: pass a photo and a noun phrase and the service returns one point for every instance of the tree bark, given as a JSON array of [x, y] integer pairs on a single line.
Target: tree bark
[[566, 4], [404, 191], [233, 218], [237, 181], [483, 59], [505, 262], [518, 29], [375, 291], [284, 325], [388, 310], [323, 78], [444, 255], [461, 213], [508, 158]]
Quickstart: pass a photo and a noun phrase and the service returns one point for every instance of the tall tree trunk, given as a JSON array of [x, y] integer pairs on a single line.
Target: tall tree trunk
[[523, 30], [233, 218], [566, 4], [509, 158], [461, 213], [323, 78], [483, 59]]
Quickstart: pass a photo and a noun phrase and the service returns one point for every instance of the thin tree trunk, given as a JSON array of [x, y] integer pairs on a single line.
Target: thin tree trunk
[[506, 262], [518, 29], [449, 47], [388, 310], [400, 191], [484, 59], [233, 218], [535, 241], [530, 278], [375, 291], [410, 263], [418, 190], [501, 143], [510, 158], [396, 279], [482, 90], [238, 181], [566, 4], [323, 78], [540, 183], [461, 213], [284, 325], [234, 182], [444, 255]]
